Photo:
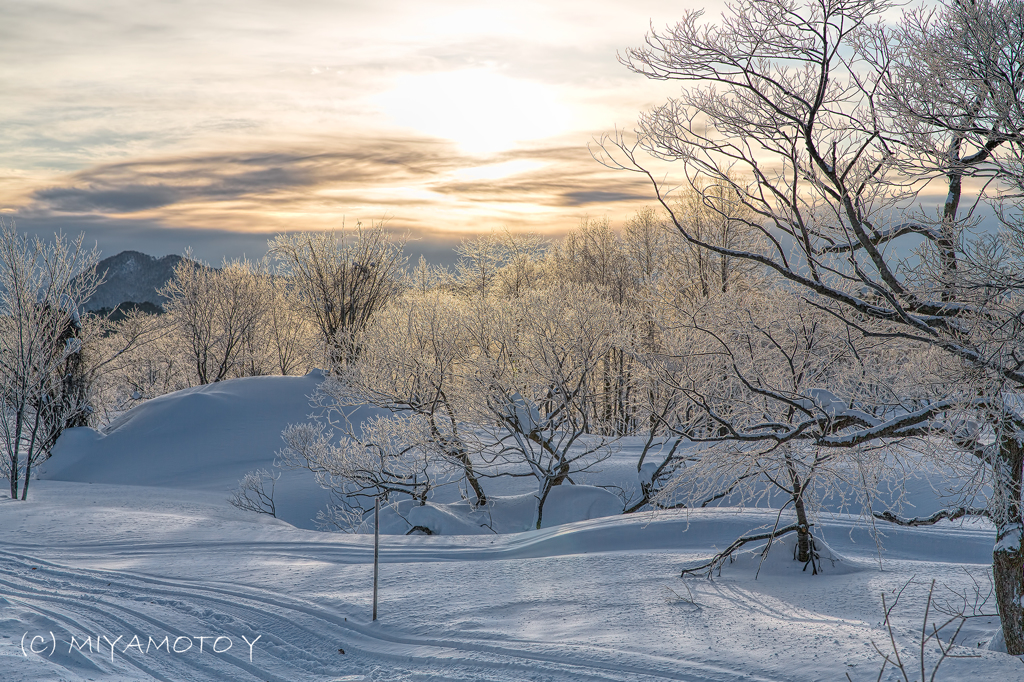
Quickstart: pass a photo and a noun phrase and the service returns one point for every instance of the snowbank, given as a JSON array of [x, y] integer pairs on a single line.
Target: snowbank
[[204, 438]]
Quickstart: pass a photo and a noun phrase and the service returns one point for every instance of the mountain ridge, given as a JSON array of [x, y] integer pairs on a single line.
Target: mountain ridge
[[132, 276]]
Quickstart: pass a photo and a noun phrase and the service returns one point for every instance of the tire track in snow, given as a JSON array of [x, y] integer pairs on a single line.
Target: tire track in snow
[[371, 642]]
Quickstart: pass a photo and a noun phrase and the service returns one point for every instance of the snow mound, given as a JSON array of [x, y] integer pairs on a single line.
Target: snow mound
[[569, 503], [207, 438], [204, 438]]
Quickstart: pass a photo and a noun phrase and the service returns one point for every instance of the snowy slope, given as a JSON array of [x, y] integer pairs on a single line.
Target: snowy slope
[[203, 438]]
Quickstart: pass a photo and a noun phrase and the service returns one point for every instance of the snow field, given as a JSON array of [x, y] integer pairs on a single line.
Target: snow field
[[129, 534]]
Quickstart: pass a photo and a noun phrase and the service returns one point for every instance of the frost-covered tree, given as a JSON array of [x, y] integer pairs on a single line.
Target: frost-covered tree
[[290, 335], [219, 316], [784, 106], [532, 372], [775, 392], [342, 279], [412, 361], [42, 286], [382, 457]]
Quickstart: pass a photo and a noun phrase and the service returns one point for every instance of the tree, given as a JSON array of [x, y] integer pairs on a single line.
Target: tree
[[386, 458], [530, 377], [411, 361], [136, 358], [782, 107], [712, 215], [218, 314], [292, 336], [342, 280], [775, 389], [42, 286]]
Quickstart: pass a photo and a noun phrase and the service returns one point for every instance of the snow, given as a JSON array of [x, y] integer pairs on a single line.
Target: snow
[[1010, 538], [129, 534], [203, 438]]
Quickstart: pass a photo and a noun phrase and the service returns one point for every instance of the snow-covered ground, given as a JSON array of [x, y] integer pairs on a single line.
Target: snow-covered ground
[[130, 535]]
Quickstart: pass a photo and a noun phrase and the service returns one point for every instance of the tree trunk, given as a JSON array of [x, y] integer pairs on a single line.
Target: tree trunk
[[804, 541], [28, 473], [1008, 555], [15, 452], [467, 466], [545, 489]]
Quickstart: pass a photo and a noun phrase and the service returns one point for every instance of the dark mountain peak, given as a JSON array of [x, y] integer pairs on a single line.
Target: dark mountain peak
[[132, 276]]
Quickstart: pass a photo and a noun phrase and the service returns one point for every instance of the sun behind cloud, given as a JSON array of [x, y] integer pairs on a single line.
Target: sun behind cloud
[[481, 111]]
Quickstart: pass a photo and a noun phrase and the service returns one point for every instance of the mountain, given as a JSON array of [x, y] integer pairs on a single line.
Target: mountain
[[132, 276]]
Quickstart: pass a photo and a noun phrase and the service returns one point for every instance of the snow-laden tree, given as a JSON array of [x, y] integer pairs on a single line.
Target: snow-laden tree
[[384, 457], [479, 388], [42, 286], [342, 279], [219, 316], [501, 264], [411, 361], [291, 336], [785, 106], [532, 372], [775, 388]]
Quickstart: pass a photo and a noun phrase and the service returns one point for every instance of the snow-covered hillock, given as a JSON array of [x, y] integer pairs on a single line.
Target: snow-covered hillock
[[208, 437], [204, 438]]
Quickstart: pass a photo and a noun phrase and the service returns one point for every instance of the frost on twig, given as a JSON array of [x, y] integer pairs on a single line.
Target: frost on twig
[[256, 492], [716, 562], [937, 640]]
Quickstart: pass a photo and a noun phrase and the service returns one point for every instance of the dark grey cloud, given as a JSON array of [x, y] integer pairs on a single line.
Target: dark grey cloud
[[228, 204], [145, 184], [352, 169], [587, 197], [127, 199]]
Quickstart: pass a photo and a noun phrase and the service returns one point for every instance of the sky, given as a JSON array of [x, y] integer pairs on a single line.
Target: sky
[[158, 126]]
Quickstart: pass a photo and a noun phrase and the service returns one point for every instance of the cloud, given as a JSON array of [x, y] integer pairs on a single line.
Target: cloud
[[588, 197], [145, 184], [128, 199]]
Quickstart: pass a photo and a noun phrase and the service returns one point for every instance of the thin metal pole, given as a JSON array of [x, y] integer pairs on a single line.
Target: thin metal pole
[[376, 551]]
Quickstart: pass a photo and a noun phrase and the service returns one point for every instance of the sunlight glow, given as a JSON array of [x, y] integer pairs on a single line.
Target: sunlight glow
[[479, 110]]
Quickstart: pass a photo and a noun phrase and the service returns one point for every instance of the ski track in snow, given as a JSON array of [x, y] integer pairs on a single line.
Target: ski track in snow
[[81, 602], [148, 587], [586, 601]]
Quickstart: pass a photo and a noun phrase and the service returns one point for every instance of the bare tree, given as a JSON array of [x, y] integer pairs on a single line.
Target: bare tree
[[780, 108], [217, 314], [382, 457], [292, 336], [713, 215], [411, 360], [42, 286], [938, 639], [531, 377], [253, 493], [135, 359], [775, 389], [342, 280]]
